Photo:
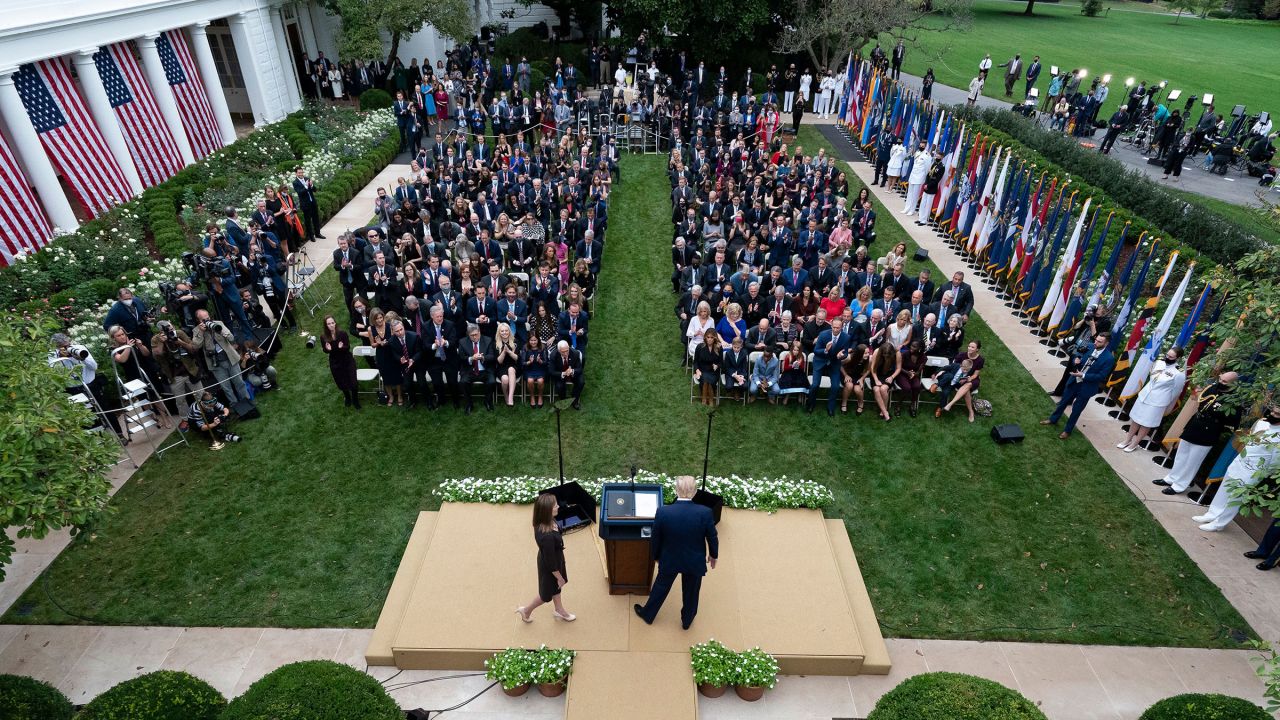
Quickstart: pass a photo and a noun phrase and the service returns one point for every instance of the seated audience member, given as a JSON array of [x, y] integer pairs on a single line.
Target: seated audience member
[[794, 372], [477, 355], [565, 367], [735, 368], [852, 372], [533, 367], [707, 361], [764, 376], [732, 325], [911, 375], [882, 371], [963, 387]]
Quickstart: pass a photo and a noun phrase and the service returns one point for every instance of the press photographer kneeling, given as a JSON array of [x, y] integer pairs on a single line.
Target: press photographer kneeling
[[209, 415]]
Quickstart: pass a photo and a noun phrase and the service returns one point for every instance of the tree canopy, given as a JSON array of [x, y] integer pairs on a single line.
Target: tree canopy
[[716, 29], [52, 472], [365, 22], [829, 29]]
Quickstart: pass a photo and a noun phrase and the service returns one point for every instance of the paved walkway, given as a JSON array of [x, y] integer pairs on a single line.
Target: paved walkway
[[1234, 188], [1070, 682]]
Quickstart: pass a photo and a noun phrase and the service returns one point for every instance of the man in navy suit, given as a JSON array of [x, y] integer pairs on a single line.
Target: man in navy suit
[[684, 542], [1089, 370], [829, 352]]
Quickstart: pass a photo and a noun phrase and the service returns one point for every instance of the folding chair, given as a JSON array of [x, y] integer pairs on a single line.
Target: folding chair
[[367, 375]]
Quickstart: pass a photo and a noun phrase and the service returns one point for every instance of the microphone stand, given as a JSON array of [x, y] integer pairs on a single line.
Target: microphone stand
[[559, 443], [706, 455]]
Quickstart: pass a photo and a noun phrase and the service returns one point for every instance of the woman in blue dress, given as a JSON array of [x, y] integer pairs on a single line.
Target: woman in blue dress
[[533, 365]]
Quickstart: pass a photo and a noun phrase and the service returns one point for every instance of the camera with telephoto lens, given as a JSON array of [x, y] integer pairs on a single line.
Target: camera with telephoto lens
[[311, 342]]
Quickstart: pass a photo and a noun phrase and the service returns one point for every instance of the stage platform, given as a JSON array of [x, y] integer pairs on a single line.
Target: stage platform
[[786, 581]]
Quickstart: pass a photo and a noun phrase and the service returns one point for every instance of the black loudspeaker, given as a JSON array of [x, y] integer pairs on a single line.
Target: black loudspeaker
[[1008, 433], [921, 255], [246, 410], [711, 500], [577, 506]]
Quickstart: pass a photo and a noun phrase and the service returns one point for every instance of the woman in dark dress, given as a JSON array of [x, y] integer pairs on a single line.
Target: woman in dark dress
[[909, 377], [533, 365], [552, 575], [388, 364], [342, 364], [707, 359]]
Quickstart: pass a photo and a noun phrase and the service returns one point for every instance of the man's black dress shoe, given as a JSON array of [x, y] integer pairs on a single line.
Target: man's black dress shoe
[[640, 613]]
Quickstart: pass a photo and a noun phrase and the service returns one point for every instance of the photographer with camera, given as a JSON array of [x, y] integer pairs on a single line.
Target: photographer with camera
[[267, 277], [175, 355], [220, 274], [82, 373], [133, 361], [256, 365], [210, 416], [131, 314], [221, 359], [181, 300]]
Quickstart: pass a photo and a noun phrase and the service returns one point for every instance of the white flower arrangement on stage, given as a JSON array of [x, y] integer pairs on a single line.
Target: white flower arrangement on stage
[[738, 492]]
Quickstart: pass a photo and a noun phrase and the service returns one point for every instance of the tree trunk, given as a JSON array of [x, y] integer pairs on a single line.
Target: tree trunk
[[1175, 17], [395, 50], [1031, 4]]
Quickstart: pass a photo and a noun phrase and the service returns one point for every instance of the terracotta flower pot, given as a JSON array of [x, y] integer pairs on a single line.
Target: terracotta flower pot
[[712, 691], [749, 693], [554, 689], [517, 691]]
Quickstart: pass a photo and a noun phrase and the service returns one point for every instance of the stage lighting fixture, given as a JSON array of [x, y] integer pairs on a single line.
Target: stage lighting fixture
[[1174, 95], [1128, 82], [1106, 78], [1208, 99]]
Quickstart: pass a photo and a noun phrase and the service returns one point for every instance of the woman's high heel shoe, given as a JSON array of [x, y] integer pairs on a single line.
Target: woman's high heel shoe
[[523, 615], [567, 617]]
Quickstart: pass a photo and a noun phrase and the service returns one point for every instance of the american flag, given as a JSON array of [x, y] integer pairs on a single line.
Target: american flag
[[193, 103], [23, 226], [154, 152], [69, 136]]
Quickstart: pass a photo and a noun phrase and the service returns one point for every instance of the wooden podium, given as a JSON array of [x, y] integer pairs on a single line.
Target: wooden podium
[[625, 525]]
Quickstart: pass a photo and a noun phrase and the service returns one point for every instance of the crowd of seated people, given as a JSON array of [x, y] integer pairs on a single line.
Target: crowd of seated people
[[480, 270], [791, 300]]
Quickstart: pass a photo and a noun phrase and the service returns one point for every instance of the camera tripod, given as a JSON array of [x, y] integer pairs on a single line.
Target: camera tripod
[[302, 274]]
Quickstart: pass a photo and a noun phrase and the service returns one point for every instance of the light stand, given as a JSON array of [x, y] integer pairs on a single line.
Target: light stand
[[703, 496]]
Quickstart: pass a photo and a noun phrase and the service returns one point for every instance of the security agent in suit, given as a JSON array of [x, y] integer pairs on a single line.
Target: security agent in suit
[[684, 542], [829, 352], [1089, 370], [305, 189]]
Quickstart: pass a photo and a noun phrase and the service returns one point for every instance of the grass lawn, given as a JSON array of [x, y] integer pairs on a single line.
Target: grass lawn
[[304, 522], [1197, 56], [1250, 218]]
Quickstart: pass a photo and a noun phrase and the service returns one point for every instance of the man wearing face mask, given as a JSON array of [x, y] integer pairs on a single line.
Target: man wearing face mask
[[129, 313], [1260, 453]]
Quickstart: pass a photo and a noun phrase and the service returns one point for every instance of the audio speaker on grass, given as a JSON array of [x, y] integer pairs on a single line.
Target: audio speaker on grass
[[1007, 433], [921, 255]]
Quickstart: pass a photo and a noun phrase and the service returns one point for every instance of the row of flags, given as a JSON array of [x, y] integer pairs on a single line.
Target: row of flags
[[1033, 233], [70, 137]]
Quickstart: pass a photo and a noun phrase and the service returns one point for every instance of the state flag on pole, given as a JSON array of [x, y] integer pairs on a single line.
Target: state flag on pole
[[1147, 358]]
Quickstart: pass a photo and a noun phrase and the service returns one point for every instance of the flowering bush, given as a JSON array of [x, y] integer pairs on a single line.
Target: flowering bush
[[514, 667], [738, 492], [756, 668], [713, 663]]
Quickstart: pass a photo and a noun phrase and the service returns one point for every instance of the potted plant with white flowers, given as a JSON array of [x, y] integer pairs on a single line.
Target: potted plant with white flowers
[[514, 668], [551, 669], [714, 667], [756, 671]]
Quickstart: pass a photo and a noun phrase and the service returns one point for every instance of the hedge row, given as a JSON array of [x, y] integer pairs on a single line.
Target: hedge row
[[1189, 223]]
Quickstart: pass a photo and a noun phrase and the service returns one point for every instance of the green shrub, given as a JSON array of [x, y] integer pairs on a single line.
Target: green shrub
[[953, 696], [159, 695], [24, 698], [314, 690], [524, 42], [1091, 8], [374, 99], [1204, 706]]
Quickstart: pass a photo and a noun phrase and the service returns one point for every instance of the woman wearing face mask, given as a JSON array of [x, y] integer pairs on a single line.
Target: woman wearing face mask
[[1158, 396]]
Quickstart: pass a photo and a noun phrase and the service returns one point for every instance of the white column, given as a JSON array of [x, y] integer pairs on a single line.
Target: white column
[[96, 93], [26, 144], [164, 95], [212, 83], [255, 84], [286, 68]]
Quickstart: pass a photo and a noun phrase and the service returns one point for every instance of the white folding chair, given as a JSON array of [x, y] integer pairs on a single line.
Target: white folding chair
[[367, 375]]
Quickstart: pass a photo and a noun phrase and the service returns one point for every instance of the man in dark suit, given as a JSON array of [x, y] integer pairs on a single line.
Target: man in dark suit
[[917, 307], [821, 277], [452, 303], [405, 347], [872, 332], [439, 351], [477, 356], [566, 369], [888, 304], [514, 312], [589, 249], [572, 327], [896, 278], [305, 189], [961, 295], [1089, 370], [864, 225], [682, 256], [349, 263], [924, 285], [483, 312], [829, 352], [684, 543]]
